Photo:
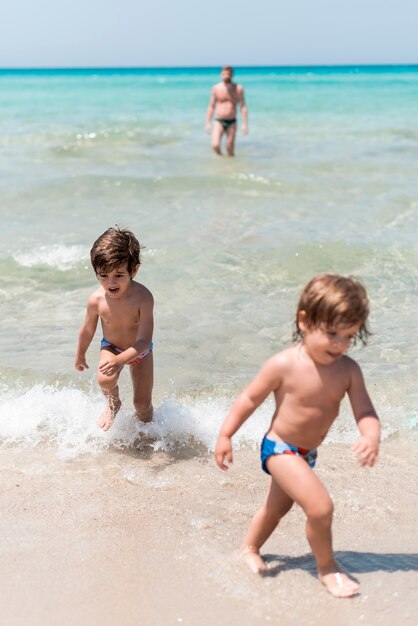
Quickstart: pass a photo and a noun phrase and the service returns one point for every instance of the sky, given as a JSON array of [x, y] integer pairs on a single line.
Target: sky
[[165, 33]]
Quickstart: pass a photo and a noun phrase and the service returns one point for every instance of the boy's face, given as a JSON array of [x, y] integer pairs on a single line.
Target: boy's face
[[116, 282], [326, 345]]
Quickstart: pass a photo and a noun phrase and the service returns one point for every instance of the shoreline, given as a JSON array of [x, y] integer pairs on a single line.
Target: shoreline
[[138, 537]]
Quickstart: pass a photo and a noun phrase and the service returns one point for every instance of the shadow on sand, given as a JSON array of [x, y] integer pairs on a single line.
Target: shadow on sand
[[353, 562]]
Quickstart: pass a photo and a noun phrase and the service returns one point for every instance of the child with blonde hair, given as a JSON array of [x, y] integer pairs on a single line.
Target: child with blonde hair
[[308, 381]]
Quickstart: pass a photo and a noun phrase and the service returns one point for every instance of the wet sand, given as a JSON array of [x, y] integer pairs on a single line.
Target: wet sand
[[150, 539]]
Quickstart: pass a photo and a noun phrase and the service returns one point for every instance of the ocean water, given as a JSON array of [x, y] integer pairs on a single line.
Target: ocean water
[[325, 181]]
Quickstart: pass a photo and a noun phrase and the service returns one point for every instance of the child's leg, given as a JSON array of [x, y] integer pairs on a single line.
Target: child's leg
[[142, 374], [301, 484], [276, 505], [109, 386]]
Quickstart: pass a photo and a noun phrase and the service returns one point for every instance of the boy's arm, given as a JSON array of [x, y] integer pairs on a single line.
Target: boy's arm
[[367, 446], [244, 112], [86, 334], [267, 380], [211, 109], [111, 363], [145, 328]]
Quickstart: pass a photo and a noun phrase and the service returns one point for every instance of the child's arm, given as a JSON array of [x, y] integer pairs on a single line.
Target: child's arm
[[111, 363], [86, 334], [367, 446], [145, 328], [267, 380]]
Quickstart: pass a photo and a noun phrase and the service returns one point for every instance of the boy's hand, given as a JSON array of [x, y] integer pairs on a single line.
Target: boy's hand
[[223, 449], [109, 364], [366, 450], [81, 365]]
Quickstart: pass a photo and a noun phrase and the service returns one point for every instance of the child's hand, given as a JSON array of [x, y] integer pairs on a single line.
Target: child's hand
[[366, 450], [81, 365], [109, 364], [223, 449]]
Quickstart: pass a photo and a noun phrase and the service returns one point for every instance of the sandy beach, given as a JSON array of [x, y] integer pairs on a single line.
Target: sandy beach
[[128, 538]]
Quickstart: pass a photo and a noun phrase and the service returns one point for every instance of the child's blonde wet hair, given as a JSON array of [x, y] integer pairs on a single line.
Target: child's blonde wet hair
[[334, 300]]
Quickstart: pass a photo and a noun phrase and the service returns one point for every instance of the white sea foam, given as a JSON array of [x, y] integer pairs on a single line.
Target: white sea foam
[[59, 256], [66, 418], [252, 177]]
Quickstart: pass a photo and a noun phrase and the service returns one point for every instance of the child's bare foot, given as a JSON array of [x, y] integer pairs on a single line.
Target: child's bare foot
[[339, 584], [106, 419], [252, 558]]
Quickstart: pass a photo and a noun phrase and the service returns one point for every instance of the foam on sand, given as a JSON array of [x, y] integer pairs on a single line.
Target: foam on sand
[[65, 417]]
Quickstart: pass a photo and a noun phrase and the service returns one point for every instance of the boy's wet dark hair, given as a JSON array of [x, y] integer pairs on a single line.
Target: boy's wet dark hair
[[334, 300], [113, 248]]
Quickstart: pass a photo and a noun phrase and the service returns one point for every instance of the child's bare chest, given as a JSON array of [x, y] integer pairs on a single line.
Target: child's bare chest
[[314, 386], [125, 314]]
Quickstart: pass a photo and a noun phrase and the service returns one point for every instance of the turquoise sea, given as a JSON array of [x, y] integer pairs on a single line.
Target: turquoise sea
[[325, 181]]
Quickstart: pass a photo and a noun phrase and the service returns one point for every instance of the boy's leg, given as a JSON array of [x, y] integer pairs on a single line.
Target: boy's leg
[[301, 484], [142, 374], [276, 505], [109, 386]]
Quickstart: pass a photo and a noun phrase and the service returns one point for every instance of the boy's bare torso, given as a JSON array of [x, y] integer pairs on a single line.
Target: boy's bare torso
[[227, 98], [120, 317], [307, 397]]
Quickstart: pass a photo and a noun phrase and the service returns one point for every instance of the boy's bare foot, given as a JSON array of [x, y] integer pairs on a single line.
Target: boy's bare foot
[[145, 418], [106, 419], [339, 584], [251, 557]]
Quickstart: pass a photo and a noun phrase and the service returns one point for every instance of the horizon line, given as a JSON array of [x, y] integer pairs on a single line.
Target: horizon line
[[201, 67]]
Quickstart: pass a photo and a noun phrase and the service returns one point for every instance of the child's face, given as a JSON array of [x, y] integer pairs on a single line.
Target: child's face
[[116, 282], [327, 345]]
